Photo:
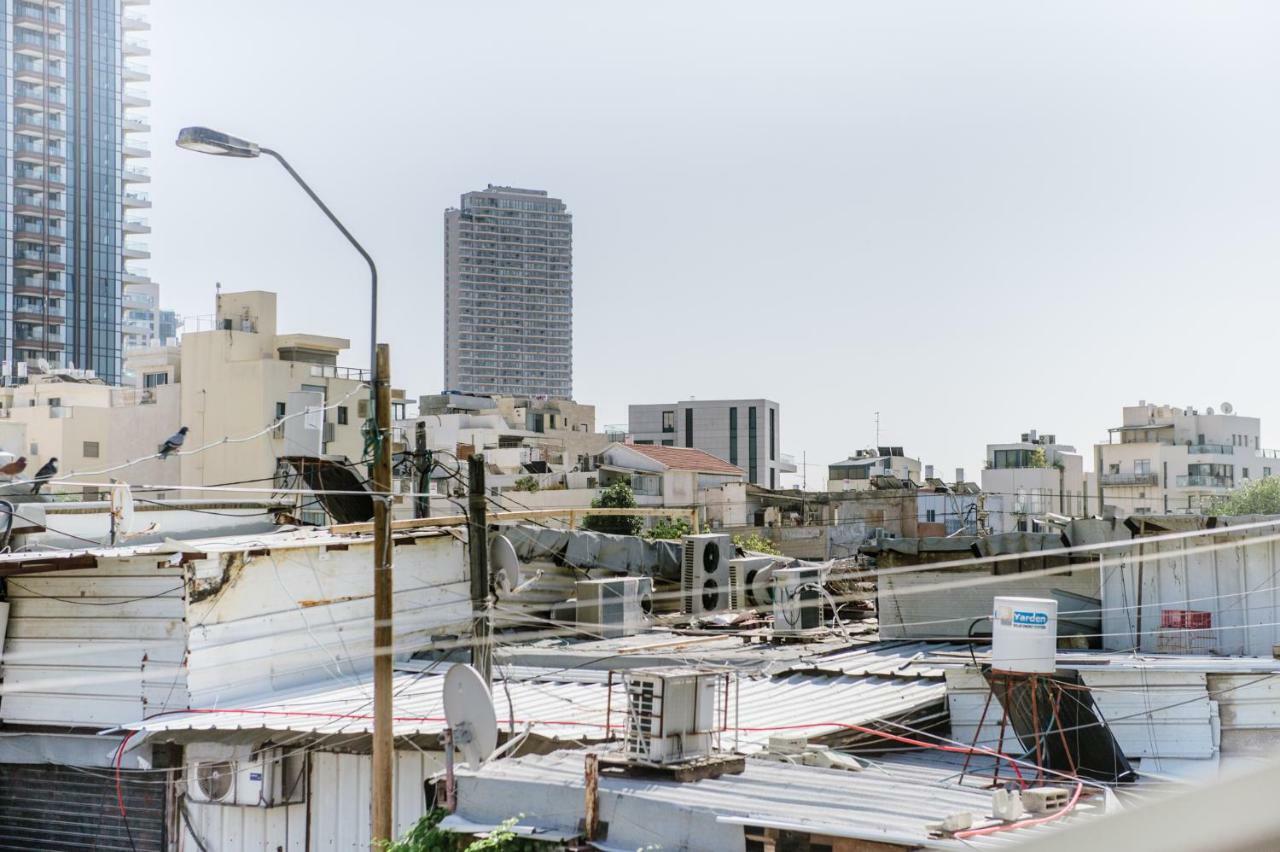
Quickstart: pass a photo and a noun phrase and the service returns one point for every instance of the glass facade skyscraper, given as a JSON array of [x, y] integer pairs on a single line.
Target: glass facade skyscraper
[[508, 294], [72, 162]]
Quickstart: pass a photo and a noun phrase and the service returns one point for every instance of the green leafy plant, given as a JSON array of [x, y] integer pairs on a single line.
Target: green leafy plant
[[668, 528], [1037, 458], [757, 543], [616, 496], [425, 836], [526, 483], [1260, 497]]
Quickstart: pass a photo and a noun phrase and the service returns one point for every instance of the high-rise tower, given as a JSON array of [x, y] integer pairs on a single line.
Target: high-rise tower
[[73, 82], [508, 294]]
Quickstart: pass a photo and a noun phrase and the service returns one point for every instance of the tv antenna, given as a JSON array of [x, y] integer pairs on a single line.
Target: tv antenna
[[468, 707]]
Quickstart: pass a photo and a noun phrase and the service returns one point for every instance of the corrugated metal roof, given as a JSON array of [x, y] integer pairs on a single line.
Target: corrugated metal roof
[[569, 707], [888, 802]]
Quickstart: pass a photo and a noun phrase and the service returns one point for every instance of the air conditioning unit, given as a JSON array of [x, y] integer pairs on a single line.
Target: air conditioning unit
[[705, 583], [671, 715], [754, 575], [618, 606], [797, 600], [244, 776]]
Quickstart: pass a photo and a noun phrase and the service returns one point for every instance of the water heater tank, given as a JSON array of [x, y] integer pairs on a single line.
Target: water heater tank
[[1024, 635]]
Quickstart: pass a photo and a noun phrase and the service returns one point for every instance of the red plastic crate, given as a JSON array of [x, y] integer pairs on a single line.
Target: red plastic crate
[[1186, 619]]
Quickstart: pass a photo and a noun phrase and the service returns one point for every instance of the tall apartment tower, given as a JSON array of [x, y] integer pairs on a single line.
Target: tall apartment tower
[[72, 84], [508, 294]]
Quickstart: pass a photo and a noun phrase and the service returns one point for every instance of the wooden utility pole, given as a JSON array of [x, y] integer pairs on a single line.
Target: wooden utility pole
[[478, 539], [383, 589]]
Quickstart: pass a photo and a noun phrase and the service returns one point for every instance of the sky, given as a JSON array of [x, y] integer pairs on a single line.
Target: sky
[[974, 219]]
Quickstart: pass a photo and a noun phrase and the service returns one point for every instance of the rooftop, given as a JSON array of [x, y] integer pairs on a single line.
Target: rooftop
[[686, 458]]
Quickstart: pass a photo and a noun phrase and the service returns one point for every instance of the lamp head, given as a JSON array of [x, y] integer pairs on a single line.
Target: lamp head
[[206, 141]]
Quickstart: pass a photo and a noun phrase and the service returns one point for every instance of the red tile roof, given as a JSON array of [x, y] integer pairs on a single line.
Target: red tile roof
[[686, 458]]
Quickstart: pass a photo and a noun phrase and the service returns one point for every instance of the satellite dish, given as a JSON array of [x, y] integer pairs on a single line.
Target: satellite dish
[[121, 509], [468, 707], [504, 564], [1227, 408]]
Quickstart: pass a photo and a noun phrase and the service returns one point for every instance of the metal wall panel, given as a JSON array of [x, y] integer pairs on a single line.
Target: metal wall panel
[[57, 808]]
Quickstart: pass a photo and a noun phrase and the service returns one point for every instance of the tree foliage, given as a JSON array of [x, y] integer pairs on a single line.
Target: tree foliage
[[526, 483], [1037, 458], [617, 496], [757, 543], [426, 836], [668, 528], [1260, 497]]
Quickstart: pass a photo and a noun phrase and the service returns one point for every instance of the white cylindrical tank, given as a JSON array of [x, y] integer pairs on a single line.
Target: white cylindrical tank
[[1024, 635]]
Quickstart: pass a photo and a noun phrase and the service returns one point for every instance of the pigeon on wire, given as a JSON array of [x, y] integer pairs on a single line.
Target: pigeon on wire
[[173, 442], [46, 472], [15, 467]]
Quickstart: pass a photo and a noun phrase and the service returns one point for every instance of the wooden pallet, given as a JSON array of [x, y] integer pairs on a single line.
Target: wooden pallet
[[711, 766]]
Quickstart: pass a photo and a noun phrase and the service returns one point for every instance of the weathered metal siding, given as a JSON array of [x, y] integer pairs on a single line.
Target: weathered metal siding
[[908, 609], [337, 808], [60, 808], [299, 616], [1234, 576], [95, 646]]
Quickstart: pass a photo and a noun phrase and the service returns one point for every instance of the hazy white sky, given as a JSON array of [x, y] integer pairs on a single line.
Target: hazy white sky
[[975, 219]]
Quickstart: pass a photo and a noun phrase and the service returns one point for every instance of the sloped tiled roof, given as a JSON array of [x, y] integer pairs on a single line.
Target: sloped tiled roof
[[686, 458]]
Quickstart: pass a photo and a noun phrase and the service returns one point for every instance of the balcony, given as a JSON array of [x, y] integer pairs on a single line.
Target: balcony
[[134, 23], [1120, 479], [136, 251], [136, 200], [134, 148], [137, 226], [132, 98], [1202, 481], [135, 276], [133, 47], [1204, 449], [136, 74], [135, 125], [136, 174]]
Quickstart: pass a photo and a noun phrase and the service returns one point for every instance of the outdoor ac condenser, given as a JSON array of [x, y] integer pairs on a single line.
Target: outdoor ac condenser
[[671, 715], [705, 581], [244, 776], [797, 600], [616, 606]]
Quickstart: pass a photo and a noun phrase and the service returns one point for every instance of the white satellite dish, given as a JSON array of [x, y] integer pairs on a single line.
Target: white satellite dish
[[1227, 408], [504, 564], [121, 510], [468, 707]]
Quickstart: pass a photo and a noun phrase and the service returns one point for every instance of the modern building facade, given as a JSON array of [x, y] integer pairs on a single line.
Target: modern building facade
[[743, 432], [72, 83], [1170, 459], [1034, 475], [508, 294], [859, 471]]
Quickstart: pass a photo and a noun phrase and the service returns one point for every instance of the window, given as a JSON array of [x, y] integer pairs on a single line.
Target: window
[[668, 421], [667, 442], [1244, 473], [154, 380], [1114, 467], [90, 449], [342, 415], [1266, 471], [280, 410], [931, 516], [688, 427], [773, 434], [751, 444], [55, 402], [35, 449], [1142, 467], [733, 435], [644, 443]]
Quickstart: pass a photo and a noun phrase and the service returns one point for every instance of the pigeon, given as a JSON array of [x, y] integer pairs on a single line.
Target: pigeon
[[173, 442], [46, 472], [15, 467]]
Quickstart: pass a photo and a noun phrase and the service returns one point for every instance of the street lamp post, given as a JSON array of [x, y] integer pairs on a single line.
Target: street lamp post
[[206, 141]]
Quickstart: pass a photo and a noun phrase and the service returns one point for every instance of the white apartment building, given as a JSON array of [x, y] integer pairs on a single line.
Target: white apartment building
[[1171, 459], [856, 472], [1034, 475], [743, 432]]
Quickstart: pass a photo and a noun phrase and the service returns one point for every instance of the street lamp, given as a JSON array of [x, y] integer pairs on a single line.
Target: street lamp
[[206, 141]]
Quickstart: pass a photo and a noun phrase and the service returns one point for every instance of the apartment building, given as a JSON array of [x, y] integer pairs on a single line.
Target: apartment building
[[858, 472], [71, 150], [1035, 475], [1173, 459], [743, 432], [508, 294]]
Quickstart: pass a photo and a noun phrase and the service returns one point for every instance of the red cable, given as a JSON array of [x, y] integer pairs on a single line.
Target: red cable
[[974, 832], [118, 760]]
